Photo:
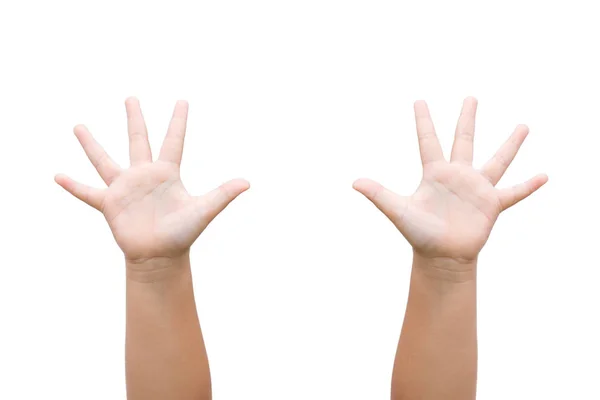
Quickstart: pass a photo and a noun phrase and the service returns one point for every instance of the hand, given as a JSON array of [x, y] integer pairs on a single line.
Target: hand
[[453, 210], [150, 213]]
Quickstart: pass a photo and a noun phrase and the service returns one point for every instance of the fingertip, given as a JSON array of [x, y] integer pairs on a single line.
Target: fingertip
[[131, 100], [244, 184], [535, 183], [360, 182], [542, 178], [79, 128], [238, 185], [421, 109], [419, 103], [366, 186], [470, 103], [523, 128], [62, 180], [181, 109]]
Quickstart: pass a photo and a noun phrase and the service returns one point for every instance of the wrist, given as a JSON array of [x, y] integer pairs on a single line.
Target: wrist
[[445, 269], [155, 269]]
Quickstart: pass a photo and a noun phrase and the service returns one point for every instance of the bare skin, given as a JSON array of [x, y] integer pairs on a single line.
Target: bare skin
[[447, 221], [154, 220]]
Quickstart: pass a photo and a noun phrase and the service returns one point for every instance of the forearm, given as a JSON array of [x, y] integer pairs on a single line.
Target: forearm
[[437, 352], [165, 354]]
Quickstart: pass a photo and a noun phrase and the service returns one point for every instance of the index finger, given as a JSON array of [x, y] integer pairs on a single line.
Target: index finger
[[139, 147], [429, 144], [172, 148]]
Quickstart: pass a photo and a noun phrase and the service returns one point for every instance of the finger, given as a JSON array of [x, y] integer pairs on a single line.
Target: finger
[[429, 144], [391, 204], [462, 149], [497, 165], [215, 201], [172, 148], [89, 195], [106, 167], [139, 147], [511, 196]]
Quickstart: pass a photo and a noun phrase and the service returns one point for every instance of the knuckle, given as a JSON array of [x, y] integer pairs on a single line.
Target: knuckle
[[465, 134], [502, 160], [426, 135]]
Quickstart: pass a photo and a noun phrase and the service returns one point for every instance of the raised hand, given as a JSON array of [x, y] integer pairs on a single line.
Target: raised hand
[[149, 211], [453, 210]]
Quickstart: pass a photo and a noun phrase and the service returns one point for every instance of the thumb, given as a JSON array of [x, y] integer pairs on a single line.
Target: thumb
[[215, 201], [391, 204]]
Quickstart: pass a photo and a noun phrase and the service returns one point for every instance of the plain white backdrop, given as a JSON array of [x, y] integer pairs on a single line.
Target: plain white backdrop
[[301, 283]]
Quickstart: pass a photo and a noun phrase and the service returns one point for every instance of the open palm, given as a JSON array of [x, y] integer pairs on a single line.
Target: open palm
[[147, 207], [453, 210]]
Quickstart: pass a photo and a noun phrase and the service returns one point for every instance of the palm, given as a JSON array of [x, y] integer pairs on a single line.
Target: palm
[[445, 213], [147, 207], [453, 210]]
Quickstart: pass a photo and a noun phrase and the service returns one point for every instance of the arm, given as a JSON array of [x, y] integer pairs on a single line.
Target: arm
[[447, 221], [437, 351], [165, 354], [155, 222]]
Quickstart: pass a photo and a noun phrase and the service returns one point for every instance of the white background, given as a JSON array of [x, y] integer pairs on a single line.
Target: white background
[[301, 283]]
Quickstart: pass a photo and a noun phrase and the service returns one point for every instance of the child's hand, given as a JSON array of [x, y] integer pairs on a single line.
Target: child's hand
[[454, 208], [150, 213]]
